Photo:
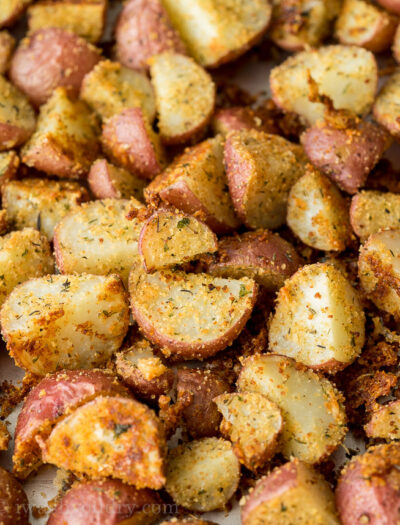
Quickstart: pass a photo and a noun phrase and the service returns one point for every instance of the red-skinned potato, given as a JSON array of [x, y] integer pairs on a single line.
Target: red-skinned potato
[[7, 43], [201, 416], [384, 422], [293, 493], [55, 396], [11, 10], [110, 437], [14, 505], [368, 488], [41, 61], [107, 181], [130, 142], [346, 154], [237, 118], [261, 255], [106, 502], [386, 111], [391, 5], [9, 163], [371, 211], [143, 30]]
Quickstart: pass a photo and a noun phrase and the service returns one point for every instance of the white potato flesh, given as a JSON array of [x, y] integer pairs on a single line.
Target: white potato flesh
[[202, 475], [64, 321], [314, 420], [348, 75], [385, 422], [372, 211], [319, 320], [387, 106]]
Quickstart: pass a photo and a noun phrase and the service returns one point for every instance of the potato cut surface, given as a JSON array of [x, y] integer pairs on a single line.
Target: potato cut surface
[[108, 181], [386, 108], [385, 422], [372, 211]]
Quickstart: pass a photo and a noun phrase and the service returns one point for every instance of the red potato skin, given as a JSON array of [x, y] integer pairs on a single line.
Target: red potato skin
[[50, 58], [53, 397], [126, 142], [106, 502], [14, 505], [99, 181], [384, 35], [144, 30], [346, 156], [13, 136], [391, 5], [371, 491], [238, 118]]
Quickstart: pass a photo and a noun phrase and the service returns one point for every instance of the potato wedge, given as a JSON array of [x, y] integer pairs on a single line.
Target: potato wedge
[[190, 315], [185, 96], [17, 118], [318, 320], [64, 321], [293, 493], [371, 211], [379, 272], [361, 23], [369, 486], [170, 237], [391, 5], [65, 142], [130, 142], [14, 505], [348, 75], [11, 10], [318, 214], [7, 44], [261, 255], [23, 255], [106, 181], [85, 18], [309, 435], [218, 32], [345, 154], [110, 88], [41, 61], [48, 402], [9, 163], [41, 203], [196, 184], [202, 475], [297, 25], [385, 422], [386, 108], [237, 118], [97, 238], [252, 423], [261, 169]]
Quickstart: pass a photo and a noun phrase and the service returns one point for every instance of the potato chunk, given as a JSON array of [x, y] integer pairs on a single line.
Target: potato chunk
[[252, 423], [346, 74], [110, 436], [318, 320], [106, 181], [190, 315], [311, 434], [202, 475], [386, 107], [318, 214], [7, 43], [64, 321], [261, 169], [372, 211], [385, 422]]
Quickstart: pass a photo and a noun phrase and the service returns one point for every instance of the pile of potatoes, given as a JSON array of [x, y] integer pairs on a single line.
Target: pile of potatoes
[[181, 260]]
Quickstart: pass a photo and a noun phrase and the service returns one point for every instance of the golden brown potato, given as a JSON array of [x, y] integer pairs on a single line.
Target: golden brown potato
[[9, 163], [371, 211], [107, 181], [7, 43], [5, 436], [11, 10], [14, 505], [396, 44], [385, 422], [386, 110], [4, 223]]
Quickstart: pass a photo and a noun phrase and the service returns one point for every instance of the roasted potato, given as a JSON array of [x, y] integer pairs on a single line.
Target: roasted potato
[[252, 423], [17, 117], [14, 505], [106, 181], [41, 203], [348, 75], [386, 110], [110, 88], [170, 237], [379, 271], [64, 321], [48, 402], [261, 255], [294, 493], [261, 169], [346, 154], [130, 142], [97, 238], [185, 97], [309, 434], [143, 371], [23, 255], [371, 211], [201, 416], [385, 422], [106, 501], [319, 320], [65, 142], [318, 214], [196, 184], [85, 17], [396, 44], [218, 32], [9, 163], [110, 437], [368, 488], [391, 5], [202, 475], [5, 436], [238, 118], [11, 10], [7, 43], [4, 224], [190, 315]]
